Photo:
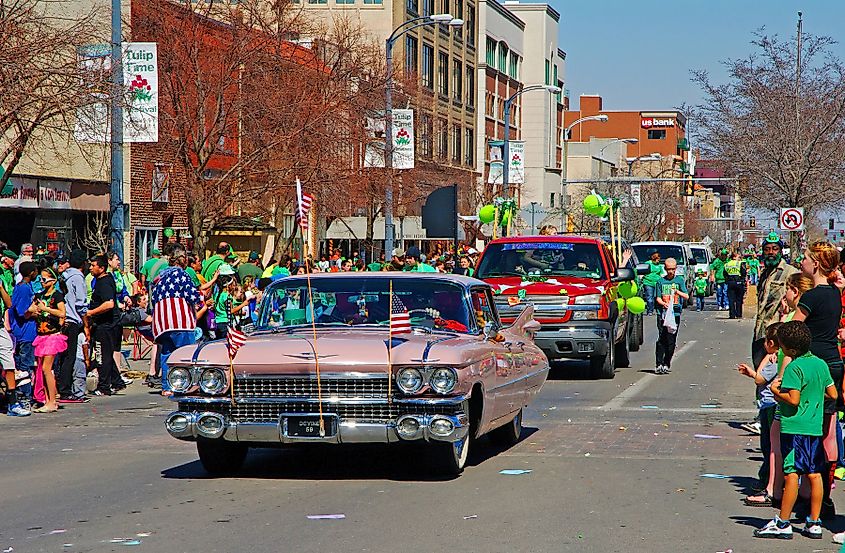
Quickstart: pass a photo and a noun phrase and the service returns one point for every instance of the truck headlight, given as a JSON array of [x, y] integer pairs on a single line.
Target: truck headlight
[[212, 381], [443, 380], [588, 299], [180, 379], [410, 380]]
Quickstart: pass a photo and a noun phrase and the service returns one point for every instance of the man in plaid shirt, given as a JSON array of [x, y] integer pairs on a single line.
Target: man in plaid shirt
[[176, 305]]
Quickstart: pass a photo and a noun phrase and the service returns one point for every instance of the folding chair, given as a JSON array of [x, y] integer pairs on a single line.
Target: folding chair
[[141, 345]]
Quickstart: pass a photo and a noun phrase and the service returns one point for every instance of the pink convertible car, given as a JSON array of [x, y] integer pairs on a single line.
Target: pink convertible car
[[324, 367]]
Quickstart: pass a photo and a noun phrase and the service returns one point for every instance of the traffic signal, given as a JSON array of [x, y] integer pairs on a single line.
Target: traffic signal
[[688, 188], [830, 223], [570, 224], [752, 222]]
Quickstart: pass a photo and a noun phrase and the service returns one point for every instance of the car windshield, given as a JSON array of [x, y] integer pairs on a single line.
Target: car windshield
[[431, 304], [541, 258], [700, 255], [666, 251]]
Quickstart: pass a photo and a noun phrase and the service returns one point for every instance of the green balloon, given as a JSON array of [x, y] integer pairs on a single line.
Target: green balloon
[[620, 303], [592, 204], [168, 232], [636, 305], [487, 213], [628, 289]]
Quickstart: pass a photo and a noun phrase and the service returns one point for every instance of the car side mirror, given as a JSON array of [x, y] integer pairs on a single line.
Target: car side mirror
[[624, 274], [642, 269]]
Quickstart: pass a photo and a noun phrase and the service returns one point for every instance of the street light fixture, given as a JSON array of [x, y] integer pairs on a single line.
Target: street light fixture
[[506, 145], [434, 19], [602, 118]]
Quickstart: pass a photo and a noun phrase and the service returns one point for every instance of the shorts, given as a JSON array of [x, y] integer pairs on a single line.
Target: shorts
[[802, 454]]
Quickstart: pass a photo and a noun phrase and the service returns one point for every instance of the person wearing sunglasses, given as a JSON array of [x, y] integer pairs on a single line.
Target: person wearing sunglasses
[[50, 341]]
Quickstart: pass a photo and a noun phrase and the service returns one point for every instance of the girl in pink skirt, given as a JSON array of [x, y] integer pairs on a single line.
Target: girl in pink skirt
[[50, 340]]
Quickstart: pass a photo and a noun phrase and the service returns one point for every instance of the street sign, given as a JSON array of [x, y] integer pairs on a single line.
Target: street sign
[[792, 218]]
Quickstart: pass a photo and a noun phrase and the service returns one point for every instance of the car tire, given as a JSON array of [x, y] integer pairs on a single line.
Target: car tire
[[449, 458], [508, 435], [603, 367], [623, 358], [636, 336], [219, 457]]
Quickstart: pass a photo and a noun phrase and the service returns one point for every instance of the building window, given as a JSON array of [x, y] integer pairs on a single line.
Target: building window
[[469, 145], [427, 72], [656, 134], [428, 8], [443, 74], [445, 8], [513, 70], [548, 73], [456, 143], [491, 53], [318, 1], [413, 6], [503, 57], [410, 55], [457, 80], [146, 240], [373, 2], [470, 86], [470, 25], [554, 82], [459, 14], [442, 139], [489, 104], [426, 135], [344, 1]]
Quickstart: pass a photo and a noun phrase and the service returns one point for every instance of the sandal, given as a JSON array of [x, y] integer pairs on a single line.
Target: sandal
[[754, 500]]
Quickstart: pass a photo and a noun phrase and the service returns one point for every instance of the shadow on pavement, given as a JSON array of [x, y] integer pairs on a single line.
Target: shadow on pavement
[[399, 462]]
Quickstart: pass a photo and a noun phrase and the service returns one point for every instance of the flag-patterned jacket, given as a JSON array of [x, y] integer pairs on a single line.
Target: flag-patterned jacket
[[175, 300]]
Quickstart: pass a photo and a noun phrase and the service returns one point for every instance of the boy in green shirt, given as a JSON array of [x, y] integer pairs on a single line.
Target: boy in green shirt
[[801, 392], [717, 276], [700, 285], [655, 270]]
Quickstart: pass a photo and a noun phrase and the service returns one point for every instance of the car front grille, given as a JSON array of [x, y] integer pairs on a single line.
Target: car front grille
[[306, 388]]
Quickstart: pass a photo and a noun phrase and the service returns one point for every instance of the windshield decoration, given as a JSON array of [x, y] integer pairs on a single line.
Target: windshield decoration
[[538, 246]]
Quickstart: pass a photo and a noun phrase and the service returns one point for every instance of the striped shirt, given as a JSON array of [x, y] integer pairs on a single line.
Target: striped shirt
[[175, 300]]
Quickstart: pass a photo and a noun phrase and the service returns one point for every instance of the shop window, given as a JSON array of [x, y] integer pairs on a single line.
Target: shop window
[[656, 134], [427, 73], [145, 241]]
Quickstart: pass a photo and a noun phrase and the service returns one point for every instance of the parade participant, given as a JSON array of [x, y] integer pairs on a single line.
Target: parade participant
[[346, 266], [103, 313], [22, 320], [464, 267], [414, 264], [252, 268], [26, 255], [655, 270], [805, 385], [821, 309], [548, 230], [771, 288], [124, 301], [210, 265], [753, 265], [7, 269], [671, 289], [397, 260], [70, 271], [700, 284], [735, 276], [717, 276], [14, 407], [147, 266], [176, 305], [50, 341]]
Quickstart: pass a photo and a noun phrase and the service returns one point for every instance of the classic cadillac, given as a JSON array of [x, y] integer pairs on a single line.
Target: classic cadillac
[[326, 365]]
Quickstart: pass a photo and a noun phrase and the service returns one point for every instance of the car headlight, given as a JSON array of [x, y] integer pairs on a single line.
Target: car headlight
[[410, 380], [443, 380], [212, 381], [180, 379], [588, 299]]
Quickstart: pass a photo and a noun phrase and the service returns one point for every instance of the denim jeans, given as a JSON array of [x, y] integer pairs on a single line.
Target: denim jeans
[[699, 303], [722, 295], [648, 292], [170, 342]]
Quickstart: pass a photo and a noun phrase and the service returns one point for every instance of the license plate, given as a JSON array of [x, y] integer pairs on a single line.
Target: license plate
[[308, 426]]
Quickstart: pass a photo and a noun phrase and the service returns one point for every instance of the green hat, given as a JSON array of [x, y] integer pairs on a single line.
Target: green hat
[[772, 238], [10, 253], [724, 251], [156, 251]]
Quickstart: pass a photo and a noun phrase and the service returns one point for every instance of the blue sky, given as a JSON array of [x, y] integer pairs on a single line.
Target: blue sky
[[637, 54]]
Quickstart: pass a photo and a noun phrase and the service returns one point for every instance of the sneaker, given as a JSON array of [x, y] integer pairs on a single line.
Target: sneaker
[[775, 529], [658, 369], [71, 399], [752, 427], [667, 369], [839, 538], [18, 410], [126, 380], [99, 392], [813, 529]]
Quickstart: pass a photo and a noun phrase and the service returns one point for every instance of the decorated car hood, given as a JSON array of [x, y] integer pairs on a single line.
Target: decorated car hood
[[338, 350], [566, 286]]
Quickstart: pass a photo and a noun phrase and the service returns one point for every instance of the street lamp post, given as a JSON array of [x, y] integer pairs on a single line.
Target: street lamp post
[[614, 141], [506, 145], [411, 24], [564, 162]]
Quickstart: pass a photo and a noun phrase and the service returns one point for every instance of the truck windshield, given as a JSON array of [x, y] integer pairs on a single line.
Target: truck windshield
[[700, 255], [541, 258], [644, 252]]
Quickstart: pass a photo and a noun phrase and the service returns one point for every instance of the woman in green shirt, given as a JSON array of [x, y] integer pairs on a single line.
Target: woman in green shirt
[[655, 271]]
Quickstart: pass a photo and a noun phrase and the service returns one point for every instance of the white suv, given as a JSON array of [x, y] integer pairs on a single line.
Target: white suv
[[680, 251]]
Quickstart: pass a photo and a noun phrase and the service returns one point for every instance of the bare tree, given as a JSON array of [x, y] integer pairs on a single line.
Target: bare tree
[[782, 129], [95, 237]]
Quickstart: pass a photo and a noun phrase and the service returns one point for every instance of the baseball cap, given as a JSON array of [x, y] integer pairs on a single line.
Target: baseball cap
[[62, 260], [472, 251], [414, 252], [10, 253], [226, 269], [398, 252], [156, 251], [253, 256]]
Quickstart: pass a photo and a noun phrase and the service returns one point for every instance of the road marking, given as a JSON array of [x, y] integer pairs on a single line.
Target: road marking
[[682, 410], [637, 387]]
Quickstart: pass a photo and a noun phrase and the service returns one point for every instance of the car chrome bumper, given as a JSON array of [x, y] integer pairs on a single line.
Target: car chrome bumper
[[347, 431], [575, 340]]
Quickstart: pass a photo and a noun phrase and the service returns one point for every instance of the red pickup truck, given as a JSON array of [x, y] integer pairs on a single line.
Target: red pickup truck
[[572, 281]]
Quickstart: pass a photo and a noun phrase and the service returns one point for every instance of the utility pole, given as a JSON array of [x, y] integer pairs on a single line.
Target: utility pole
[[798, 156], [116, 192]]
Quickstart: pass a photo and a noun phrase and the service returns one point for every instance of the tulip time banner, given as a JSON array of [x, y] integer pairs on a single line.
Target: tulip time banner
[[403, 139]]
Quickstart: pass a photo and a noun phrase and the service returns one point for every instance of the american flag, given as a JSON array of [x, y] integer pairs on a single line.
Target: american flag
[[303, 206], [234, 340], [175, 300], [400, 321]]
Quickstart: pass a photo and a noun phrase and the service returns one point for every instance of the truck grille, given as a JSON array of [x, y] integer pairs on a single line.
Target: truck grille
[[306, 388], [366, 413]]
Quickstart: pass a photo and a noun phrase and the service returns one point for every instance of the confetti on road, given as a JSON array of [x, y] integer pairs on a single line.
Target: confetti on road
[[58, 531], [586, 455], [707, 437], [467, 517], [326, 517], [131, 542], [712, 475], [9, 550], [143, 534], [514, 472], [649, 407], [709, 406]]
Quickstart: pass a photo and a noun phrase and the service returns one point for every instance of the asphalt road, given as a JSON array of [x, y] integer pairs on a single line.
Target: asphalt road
[[615, 466]]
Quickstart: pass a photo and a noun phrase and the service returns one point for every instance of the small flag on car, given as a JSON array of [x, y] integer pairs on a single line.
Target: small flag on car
[[400, 321], [234, 340]]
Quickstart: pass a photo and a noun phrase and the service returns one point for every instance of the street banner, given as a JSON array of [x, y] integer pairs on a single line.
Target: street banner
[[494, 176], [516, 171], [23, 193], [791, 218], [53, 195], [636, 194], [92, 115], [160, 188], [374, 125], [140, 77], [403, 139]]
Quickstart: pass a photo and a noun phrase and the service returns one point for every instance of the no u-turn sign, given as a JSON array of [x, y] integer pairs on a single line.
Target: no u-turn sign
[[792, 218]]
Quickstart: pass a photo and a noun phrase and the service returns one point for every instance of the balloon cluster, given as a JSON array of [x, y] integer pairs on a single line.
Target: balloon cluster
[[506, 207], [628, 292], [598, 205]]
